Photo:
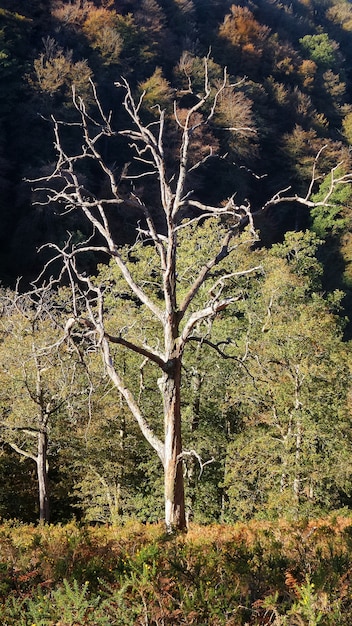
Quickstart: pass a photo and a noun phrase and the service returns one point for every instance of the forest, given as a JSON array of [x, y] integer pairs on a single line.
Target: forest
[[175, 311]]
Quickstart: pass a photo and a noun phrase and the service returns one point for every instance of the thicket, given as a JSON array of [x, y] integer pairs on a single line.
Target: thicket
[[254, 574]]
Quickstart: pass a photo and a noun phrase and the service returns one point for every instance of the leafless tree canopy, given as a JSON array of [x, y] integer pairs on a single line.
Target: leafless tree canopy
[[176, 313]]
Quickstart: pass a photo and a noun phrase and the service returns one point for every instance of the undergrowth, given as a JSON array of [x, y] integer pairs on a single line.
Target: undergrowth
[[252, 574]]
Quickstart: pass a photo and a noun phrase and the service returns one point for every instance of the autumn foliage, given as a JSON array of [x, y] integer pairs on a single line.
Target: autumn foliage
[[249, 574]]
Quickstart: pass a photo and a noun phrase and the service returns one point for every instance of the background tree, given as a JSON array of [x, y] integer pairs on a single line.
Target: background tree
[[320, 49], [246, 37], [55, 72], [292, 454], [37, 382], [114, 474]]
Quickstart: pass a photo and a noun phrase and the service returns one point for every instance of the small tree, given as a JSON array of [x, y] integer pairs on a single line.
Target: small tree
[[37, 377], [175, 278]]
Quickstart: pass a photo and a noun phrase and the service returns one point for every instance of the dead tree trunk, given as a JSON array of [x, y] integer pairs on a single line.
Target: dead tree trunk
[[170, 385]]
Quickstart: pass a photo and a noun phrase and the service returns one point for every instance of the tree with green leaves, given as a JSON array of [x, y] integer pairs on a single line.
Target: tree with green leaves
[[107, 455], [38, 381], [320, 49], [292, 454]]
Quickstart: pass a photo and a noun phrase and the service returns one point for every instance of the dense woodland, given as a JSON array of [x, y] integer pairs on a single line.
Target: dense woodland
[[266, 385]]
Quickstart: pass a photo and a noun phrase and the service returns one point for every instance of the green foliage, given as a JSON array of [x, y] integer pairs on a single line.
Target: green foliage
[[331, 219], [157, 90], [41, 380], [308, 603], [321, 49], [67, 603], [299, 250], [292, 454], [117, 481]]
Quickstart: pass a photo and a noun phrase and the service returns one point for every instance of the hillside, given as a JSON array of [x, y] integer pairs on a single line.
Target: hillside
[[290, 63]]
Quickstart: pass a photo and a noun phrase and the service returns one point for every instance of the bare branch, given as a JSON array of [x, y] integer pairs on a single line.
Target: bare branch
[[280, 197], [188, 454], [143, 350], [223, 252], [148, 433], [32, 432], [215, 346], [221, 281], [202, 314], [19, 450]]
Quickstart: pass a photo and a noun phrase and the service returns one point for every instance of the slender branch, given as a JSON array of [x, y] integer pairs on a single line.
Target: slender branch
[[144, 350], [223, 252], [187, 129], [220, 282], [202, 314], [22, 452], [188, 454], [279, 198], [214, 346], [147, 431], [27, 430]]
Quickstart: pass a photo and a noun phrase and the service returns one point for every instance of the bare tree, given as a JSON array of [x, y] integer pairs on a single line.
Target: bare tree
[[176, 311]]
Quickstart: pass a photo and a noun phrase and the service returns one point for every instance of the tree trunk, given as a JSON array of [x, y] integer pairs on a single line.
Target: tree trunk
[[43, 477], [175, 517], [192, 482], [297, 482]]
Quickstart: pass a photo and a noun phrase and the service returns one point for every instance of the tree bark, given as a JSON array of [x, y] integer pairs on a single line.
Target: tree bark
[[42, 472], [175, 515], [297, 479]]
